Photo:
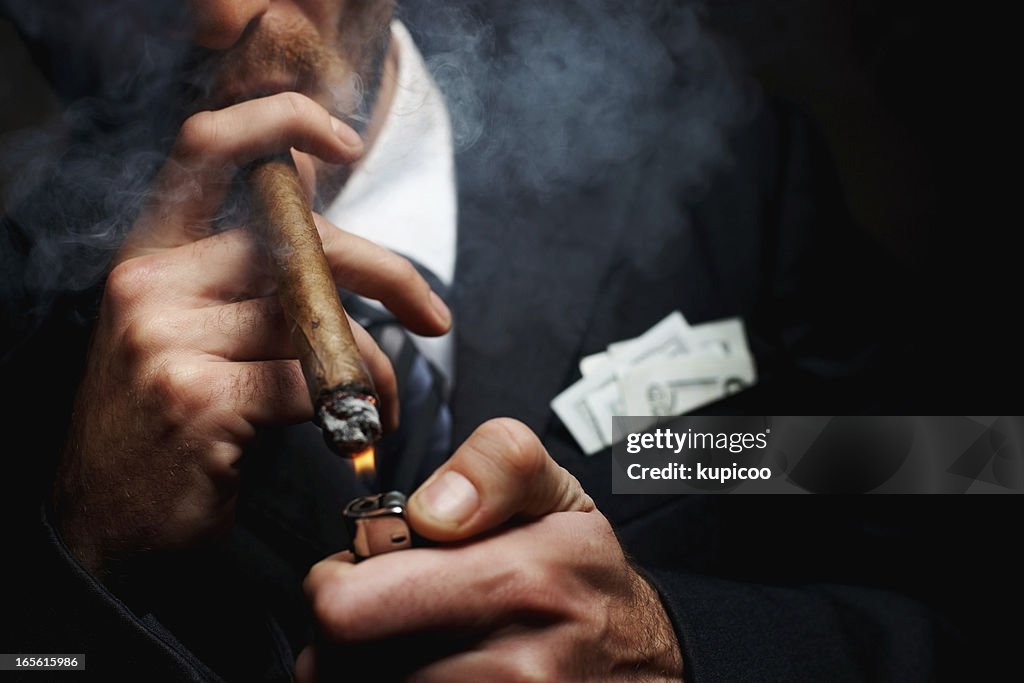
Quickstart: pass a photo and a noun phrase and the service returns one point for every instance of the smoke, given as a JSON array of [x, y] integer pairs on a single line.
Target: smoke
[[547, 100], [560, 95], [75, 182]]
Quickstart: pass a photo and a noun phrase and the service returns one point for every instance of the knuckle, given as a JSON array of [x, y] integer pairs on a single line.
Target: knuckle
[[144, 338], [402, 275], [254, 383], [570, 494], [515, 446], [329, 611], [250, 383], [317, 577], [593, 535], [162, 329], [585, 535], [178, 389], [598, 529], [287, 379], [238, 320], [136, 341], [299, 107], [531, 665], [130, 280], [405, 272], [221, 459], [197, 133], [533, 587]]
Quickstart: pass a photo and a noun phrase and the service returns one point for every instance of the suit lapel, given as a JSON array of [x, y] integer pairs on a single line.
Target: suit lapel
[[526, 280]]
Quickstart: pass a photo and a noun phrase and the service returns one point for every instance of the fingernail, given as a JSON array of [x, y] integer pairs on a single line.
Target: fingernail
[[451, 498], [440, 307], [348, 136]]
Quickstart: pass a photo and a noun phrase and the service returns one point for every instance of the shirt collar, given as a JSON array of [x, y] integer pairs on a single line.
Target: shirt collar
[[402, 194]]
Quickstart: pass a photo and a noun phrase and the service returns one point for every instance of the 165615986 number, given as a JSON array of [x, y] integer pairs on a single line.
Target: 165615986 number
[[46, 662]]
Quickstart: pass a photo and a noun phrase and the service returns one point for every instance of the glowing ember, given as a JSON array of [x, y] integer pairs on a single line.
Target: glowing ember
[[364, 462]]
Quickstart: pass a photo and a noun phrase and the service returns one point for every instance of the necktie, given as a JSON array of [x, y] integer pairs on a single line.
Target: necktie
[[423, 440]]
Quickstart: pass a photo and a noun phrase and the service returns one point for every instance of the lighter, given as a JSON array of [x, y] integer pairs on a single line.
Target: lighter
[[376, 524]]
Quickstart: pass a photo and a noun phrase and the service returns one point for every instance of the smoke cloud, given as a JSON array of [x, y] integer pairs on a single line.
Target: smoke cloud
[[546, 98], [555, 94]]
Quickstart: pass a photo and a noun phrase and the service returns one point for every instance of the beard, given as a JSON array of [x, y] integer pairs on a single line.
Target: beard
[[342, 74]]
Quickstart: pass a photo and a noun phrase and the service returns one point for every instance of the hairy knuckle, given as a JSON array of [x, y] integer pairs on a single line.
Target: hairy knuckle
[[288, 379], [239, 320], [178, 389], [145, 338], [249, 383]]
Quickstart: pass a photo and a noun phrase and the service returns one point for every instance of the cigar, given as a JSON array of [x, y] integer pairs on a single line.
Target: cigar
[[344, 400]]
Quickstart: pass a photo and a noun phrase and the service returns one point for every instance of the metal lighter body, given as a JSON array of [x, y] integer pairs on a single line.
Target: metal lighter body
[[376, 524]]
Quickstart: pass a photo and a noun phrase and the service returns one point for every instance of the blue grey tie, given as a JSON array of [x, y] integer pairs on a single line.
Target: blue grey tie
[[423, 440]]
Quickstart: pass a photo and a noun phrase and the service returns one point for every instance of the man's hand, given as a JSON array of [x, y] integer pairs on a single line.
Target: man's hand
[[191, 351], [532, 585]]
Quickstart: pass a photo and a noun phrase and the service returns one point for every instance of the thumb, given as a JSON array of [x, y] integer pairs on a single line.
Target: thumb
[[500, 472]]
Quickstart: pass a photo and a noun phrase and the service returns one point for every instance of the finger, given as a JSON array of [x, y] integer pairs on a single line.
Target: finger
[[257, 329], [375, 272], [460, 590], [305, 666], [306, 166], [501, 471], [213, 145], [274, 391], [517, 658], [250, 330], [220, 268], [269, 392], [382, 373]]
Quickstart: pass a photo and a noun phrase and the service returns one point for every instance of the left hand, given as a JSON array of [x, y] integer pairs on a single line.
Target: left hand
[[547, 597]]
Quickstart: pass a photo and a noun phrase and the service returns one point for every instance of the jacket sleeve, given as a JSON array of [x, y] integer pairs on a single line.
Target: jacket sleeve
[[59, 607], [733, 631], [51, 604]]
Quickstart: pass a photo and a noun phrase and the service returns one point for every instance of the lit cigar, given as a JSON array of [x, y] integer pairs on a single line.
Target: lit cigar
[[344, 400]]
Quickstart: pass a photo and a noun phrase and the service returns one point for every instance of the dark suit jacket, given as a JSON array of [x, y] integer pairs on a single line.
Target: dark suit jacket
[[766, 590]]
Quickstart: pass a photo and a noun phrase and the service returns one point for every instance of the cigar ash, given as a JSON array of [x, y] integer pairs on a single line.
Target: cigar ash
[[348, 415]]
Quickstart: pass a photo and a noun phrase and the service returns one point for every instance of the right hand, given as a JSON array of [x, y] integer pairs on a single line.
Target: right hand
[[191, 352]]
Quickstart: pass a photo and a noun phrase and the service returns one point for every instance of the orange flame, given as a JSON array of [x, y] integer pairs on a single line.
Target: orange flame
[[364, 462]]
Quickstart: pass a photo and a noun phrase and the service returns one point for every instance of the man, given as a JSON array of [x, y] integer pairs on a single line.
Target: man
[[189, 362]]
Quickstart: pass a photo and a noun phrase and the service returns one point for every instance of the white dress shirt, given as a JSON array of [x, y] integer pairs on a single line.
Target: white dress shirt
[[401, 195]]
